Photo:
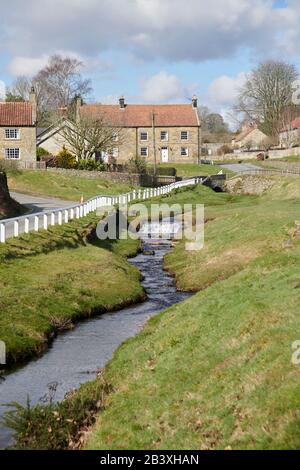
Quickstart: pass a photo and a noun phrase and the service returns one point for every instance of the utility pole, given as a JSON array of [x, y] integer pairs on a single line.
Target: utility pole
[[154, 144]]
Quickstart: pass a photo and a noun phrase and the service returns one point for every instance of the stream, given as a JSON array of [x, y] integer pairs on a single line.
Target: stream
[[75, 356]]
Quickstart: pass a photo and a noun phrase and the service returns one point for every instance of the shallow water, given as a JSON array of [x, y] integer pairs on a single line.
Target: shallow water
[[75, 356]]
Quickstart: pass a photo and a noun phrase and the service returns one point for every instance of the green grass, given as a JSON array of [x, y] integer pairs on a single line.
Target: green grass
[[62, 186], [215, 371], [51, 279], [190, 169]]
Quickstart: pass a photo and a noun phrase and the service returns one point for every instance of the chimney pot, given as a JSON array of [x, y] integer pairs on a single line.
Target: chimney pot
[[33, 102], [195, 102], [122, 102]]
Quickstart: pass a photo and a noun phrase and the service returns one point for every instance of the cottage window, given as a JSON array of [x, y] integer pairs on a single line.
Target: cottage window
[[184, 152], [144, 151], [115, 137], [12, 134], [164, 135], [184, 135], [144, 135], [12, 154]]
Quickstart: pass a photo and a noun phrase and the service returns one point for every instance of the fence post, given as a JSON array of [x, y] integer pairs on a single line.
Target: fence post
[[80, 210], [45, 217], [2, 233], [16, 228], [52, 218], [66, 216], [71, 213], [26, 225], [77, 210], [36, 223], [59, 217]]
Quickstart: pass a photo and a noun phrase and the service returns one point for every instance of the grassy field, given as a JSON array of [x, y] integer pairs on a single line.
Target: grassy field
[[62, 186], [51, 279], [190, 169], [215, 371]]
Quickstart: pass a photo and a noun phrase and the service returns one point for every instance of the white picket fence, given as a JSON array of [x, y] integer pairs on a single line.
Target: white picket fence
[[42, 220]]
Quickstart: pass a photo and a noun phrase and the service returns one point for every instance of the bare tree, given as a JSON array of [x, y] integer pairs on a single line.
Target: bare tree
[[88, 136], [19, 90], [56, 86], [266, 93]]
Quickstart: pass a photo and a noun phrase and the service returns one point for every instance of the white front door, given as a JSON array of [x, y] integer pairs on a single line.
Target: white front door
[[164, 154]]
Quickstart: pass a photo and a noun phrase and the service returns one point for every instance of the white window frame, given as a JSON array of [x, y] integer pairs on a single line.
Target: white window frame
[[184, 152], [10, 154], [141, 152], [144, 133], [115, 137], [12, 130], [166, 139], [187, 136]]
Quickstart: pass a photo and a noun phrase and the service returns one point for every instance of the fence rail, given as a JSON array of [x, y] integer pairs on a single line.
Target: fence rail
[[271, 172], [14, 227]]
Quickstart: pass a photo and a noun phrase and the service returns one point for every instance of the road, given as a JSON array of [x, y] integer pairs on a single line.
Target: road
[[35, 204], [240, 167], [38, 203]]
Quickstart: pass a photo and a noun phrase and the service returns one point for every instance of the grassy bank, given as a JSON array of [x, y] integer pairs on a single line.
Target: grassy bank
[[62, 186], [190, 169], [215, 371], [53, 278]]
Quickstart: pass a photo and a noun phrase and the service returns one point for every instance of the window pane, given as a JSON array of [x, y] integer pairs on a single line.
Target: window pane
[[184, 151], [164, 135], [184, 135], [144, 151], [144, 135], [12, 154], [12, 133]]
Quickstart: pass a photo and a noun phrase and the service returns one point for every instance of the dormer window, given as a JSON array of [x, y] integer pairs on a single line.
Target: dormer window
[[12, 134]]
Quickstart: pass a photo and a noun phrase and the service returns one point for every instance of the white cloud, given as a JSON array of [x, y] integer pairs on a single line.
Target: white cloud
[[2, 90], [223, 90], [27, 66], [162, 88], [171, 30]]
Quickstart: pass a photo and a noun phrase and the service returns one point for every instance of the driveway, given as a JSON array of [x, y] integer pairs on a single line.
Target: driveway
[[240, 167]]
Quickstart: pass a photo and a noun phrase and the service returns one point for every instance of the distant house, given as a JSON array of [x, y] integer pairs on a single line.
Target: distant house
[[171, 132], [290, 134], [250, 136], [18, 130]]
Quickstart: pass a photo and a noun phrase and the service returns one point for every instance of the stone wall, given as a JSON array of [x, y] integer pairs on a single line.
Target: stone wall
[[123, 178]]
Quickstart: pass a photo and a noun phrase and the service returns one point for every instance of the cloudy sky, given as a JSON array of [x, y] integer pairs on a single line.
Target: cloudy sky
[[151, 50]]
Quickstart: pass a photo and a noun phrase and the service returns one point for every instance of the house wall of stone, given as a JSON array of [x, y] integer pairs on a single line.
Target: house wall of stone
[[26, 143], [256, 137], [130, 144]]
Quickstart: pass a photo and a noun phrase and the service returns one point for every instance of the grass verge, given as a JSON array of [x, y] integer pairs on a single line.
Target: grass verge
[[62, 186], [215, 371], [51, 279]]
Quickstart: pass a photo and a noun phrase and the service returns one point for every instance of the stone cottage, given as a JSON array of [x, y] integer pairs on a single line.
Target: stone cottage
[[169, 133], [18, 131], [250, 136]]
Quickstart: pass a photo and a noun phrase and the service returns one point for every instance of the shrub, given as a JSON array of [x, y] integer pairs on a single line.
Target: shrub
[[224, 149], [41, 152], [65, 159], [136, 165], [90, 164]]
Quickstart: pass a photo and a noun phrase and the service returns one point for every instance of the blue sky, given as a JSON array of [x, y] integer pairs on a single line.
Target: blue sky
[[152, 50]]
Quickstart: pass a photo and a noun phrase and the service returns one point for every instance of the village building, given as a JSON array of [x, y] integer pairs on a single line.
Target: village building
[[250, 138], [289, 136], [18, 131], [167, 133]]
